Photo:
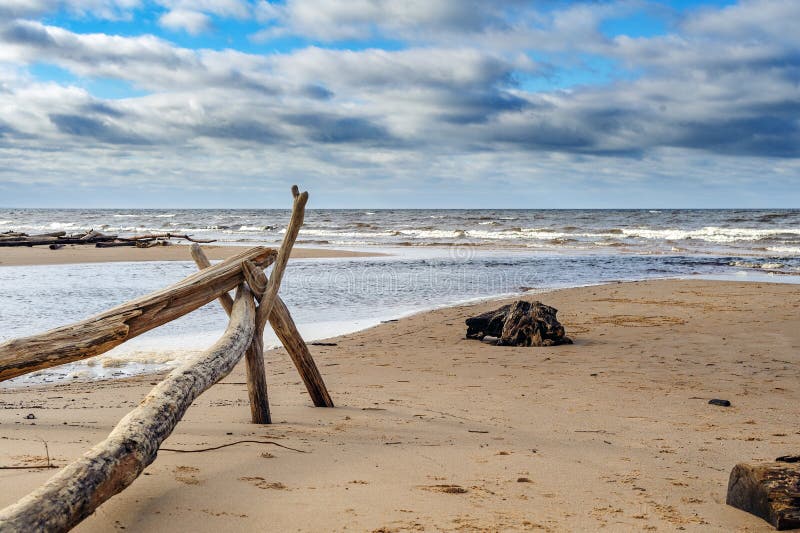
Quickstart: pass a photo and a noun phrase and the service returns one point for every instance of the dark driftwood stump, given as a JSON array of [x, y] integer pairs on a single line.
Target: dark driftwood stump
[[519, 324], [768, 490]]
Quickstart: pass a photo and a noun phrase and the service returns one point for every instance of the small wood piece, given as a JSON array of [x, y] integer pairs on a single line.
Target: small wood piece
[[768, 490], [106, 330], [56, 246], [112, 465]]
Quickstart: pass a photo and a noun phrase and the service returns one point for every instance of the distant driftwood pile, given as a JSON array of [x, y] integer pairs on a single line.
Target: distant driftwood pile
[[112, 465], [59, 239]]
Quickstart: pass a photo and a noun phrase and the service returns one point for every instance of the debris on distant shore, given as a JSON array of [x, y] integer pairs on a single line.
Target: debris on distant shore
[[519, 324], [58, 239]]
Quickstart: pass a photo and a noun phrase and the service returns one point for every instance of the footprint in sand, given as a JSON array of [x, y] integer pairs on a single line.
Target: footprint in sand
[[263, 484], [445, 488], [187, 475]]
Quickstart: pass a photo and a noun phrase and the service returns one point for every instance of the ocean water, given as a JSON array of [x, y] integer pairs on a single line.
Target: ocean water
[[436, 258], [768, 233]]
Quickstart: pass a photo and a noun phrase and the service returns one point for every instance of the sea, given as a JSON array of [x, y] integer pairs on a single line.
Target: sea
[[430, 259]]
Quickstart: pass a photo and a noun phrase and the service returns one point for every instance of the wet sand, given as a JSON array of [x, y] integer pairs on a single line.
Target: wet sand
[[42, 255], [438, 433]]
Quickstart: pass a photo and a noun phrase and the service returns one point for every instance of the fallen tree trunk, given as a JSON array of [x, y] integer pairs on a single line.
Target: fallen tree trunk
[[106, 330], [40, 241], [108, 468]]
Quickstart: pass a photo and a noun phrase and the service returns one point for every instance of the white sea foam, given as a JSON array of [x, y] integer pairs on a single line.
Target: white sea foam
[[787, 250], [254, 228], [709, 234]]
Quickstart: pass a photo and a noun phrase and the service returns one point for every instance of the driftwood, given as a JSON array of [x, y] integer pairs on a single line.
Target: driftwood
[[114, 244], [256, 373], [298, 214], [282, 323], [519, 324], [768, 490], [106, 330], [112, 465], [155, 236], [100, 240]]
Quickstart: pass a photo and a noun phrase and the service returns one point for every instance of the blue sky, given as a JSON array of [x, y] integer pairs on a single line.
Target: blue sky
[[375, 103]]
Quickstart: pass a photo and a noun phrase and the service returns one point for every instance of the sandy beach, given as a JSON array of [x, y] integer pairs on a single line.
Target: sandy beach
[[70, 254], [438, 433]]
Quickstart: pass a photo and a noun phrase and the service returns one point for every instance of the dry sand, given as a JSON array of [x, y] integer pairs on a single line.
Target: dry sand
[[437, 433], [42, 255]]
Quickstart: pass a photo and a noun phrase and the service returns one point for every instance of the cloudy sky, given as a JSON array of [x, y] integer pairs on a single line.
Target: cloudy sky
[[387, 103]]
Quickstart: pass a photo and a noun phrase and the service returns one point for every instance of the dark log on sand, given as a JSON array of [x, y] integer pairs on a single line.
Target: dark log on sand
[[106, 330], [56, 246], [519, 324], [114, 244], [768, 490], [112, 465]]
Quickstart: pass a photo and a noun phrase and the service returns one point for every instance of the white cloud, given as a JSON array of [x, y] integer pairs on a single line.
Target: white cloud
[[193, 22], [446, 106]]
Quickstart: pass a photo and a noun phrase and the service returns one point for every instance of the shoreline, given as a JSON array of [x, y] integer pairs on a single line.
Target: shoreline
[[606, 431], [76, 254]]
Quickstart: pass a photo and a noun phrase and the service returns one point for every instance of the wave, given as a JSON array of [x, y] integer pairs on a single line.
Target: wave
[[788, 250]]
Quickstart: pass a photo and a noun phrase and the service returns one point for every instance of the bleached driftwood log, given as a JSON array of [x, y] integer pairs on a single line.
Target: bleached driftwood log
[[275, 277], [281, 321], [106, 330], [77, 490]]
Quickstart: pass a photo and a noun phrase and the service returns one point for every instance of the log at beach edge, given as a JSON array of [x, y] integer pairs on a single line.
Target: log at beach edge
[[112, 465], [102, 332]]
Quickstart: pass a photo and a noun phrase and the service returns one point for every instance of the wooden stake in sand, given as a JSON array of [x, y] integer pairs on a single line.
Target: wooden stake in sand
[[108, 468], [106, 330]]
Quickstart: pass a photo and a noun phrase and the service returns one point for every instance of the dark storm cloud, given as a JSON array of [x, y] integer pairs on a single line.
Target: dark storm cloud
[[83, 126], [243, 130], [332, 129]]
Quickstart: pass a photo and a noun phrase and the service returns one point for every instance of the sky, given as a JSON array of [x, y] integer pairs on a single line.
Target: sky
[[395, 104]]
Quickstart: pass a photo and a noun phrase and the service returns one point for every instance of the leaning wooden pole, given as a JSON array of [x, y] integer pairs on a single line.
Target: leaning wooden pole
[[281, 321], [108, 468], [295, 223], [102, 332]]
